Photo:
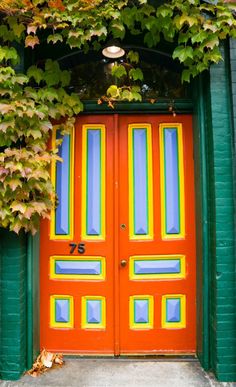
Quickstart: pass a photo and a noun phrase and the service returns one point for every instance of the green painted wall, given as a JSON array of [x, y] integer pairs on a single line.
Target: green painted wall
[[12, 304], [221, 221]]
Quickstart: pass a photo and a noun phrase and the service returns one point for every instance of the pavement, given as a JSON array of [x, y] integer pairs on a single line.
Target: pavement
[[121, 372]]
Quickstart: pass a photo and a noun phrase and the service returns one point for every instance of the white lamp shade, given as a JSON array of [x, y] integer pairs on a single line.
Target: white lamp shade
[[113, 51]]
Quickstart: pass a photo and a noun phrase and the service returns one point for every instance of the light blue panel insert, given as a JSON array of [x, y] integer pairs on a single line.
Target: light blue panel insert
[[172, 181], [158, 266], [62, 310], [141, 311], [78, 267], [94, 312], [173, 310], [63, 187], [140, 181], [93, 182]]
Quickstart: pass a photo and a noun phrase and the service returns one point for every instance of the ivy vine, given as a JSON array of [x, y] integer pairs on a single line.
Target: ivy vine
[[32, 102]]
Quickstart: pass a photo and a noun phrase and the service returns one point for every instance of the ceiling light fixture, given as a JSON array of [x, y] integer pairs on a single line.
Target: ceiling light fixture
[[113, 50]]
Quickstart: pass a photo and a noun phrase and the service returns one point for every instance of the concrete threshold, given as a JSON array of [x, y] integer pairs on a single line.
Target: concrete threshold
[[123, 372]]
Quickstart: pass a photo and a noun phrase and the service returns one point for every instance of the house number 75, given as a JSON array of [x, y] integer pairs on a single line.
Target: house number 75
[[80, 247]]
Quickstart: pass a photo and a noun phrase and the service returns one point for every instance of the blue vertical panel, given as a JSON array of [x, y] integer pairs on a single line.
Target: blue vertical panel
[[93, 224], [62, 310], [141, 311], [94, 311], [140, 181], [63, 187], [172, 181], [173, 310]]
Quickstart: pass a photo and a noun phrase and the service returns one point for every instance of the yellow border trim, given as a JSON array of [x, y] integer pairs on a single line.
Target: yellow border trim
[[182, 322], [84, 235], [82, 277], [181, 234], [133, 276], [53, 235], [53, 323], [141, 326], [84, 323], [132, 235]]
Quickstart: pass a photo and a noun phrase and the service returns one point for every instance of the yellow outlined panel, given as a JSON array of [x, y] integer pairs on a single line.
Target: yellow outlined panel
[[84, 206], [156, 258], [164, 234], [182, 311], [68, 276], [53, 235], [149, 176], [133, 324], [93, 315], [53, 322]]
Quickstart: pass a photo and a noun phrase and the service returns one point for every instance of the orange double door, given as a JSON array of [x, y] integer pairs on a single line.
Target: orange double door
[[118, 256]]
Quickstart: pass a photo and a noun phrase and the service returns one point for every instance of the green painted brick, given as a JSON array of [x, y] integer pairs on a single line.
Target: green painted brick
[[13, 305]]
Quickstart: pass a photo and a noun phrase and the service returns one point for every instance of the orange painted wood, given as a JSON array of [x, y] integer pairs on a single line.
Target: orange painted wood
[[118, 338], [77, 339]]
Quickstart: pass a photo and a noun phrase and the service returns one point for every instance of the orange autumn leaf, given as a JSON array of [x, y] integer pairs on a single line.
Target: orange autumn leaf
[[56, 4]]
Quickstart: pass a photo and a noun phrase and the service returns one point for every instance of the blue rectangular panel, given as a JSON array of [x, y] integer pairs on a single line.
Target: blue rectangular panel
[[78, 267], [173, 310], [140, 181], [62, 310], [93, 226], [141, 311], [157, 266], [63, 187], [172, 181], [94, 311]]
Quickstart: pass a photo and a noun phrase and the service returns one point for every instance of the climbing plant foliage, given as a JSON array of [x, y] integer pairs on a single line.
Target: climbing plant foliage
[[34, 101]]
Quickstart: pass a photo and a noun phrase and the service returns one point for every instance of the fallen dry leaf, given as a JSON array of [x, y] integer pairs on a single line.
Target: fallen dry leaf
[[44, 362]]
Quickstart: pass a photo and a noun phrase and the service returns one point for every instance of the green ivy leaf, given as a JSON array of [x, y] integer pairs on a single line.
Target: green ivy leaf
[[133, 56], [182, 53], [117, 29], [113, 91], [118, 71], [136, 74], [55, 38], [36, 73]]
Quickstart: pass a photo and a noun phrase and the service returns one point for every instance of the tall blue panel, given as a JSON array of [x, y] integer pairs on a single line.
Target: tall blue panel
[[140, 181], [93, 226], [173, 310], [172, 181], [141, 311], [62, 310], [94, 311], [63, 187]]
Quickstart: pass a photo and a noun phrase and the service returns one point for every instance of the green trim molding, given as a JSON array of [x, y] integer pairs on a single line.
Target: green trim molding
[[32, 299], [202, 224]]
